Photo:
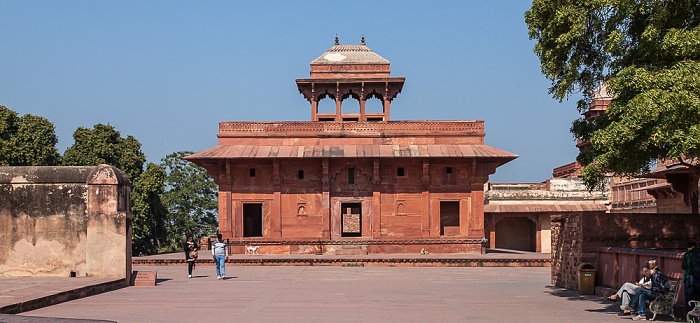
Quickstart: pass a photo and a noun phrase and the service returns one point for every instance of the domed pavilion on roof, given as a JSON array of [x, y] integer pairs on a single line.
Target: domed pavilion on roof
[[348, 183]]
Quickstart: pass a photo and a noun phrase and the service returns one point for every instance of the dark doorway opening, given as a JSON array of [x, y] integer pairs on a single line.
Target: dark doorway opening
[[449, 218], [516, 234], [252, 220], [351, 219]]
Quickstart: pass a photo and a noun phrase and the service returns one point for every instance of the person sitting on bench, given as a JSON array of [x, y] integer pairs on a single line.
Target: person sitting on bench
[[659, 285], [628, 290]]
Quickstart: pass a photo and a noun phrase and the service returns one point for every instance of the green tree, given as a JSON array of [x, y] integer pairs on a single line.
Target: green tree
[[149, 232], [191, 199], [104, 145], [28, 140], [647, 53]]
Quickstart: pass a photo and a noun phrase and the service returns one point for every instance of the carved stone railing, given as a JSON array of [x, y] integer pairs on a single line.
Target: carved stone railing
[[353, 242], [473, 128]]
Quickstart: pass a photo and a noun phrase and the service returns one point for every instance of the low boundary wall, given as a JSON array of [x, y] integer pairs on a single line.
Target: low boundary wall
[[67, 221]]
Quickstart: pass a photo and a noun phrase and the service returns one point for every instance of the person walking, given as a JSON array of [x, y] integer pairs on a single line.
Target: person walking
[[191, 255], [220, 253], [691, 279]]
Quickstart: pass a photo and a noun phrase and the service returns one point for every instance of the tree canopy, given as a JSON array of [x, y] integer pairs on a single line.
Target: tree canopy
[[28, 140], [191, 199], [104, 145], [149, 231], [648, 55], [169, 201]]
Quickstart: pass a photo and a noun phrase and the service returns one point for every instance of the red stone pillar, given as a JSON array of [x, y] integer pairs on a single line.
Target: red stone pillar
[[476, 222], [465, 213], [338, 116], [226, 222], [314, 109], [425, 197], [326, 207], [236, 217], [376, 199], [387, 109], [425, 217], [276, 209], [363, 117]]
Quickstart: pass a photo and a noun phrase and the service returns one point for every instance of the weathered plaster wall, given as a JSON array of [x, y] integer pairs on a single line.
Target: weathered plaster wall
[[545, 233], [63, 221]]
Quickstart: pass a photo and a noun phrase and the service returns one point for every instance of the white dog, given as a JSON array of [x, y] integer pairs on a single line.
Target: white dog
[[251, 250]]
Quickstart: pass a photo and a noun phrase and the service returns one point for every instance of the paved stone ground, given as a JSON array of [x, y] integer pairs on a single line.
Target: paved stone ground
[[343, 294]]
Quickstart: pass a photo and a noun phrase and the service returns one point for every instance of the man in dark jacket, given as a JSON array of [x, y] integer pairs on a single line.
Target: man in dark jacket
[[691, 279]]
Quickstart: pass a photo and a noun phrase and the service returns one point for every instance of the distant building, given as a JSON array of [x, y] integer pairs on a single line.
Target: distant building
[[349, 180], [518, 215]]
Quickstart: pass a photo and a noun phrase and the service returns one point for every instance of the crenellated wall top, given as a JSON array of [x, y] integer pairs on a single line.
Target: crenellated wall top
[[352, 129]]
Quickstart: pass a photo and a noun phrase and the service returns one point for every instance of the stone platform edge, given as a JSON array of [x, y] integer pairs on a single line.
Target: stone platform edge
[[410, 262], [64, 296]]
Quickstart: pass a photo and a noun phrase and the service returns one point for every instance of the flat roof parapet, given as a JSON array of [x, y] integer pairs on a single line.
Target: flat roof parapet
[[101, 174], [352, 129]]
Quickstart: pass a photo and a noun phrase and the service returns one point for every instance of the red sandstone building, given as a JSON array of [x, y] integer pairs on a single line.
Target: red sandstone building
[[352, 182]]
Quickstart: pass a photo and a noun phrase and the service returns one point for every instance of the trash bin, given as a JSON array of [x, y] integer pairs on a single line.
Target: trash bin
[[586, 279]]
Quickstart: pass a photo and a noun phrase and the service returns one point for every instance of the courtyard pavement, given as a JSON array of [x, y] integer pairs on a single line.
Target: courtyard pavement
[[340, 294]]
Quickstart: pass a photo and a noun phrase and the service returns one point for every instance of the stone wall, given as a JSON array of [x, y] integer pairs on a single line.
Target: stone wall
[[566, 250], [65, 221], [576, 238]]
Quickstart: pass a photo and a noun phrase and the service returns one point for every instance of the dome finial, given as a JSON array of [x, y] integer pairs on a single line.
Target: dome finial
[[336, 40], [363, 40]]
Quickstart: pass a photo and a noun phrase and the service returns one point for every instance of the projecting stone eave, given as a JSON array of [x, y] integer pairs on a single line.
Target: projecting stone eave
[[483, 153]]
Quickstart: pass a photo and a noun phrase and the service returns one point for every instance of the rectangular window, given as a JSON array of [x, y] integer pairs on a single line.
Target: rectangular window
[[448, 170], [301, 174], [351, 175], [400, 172], [252, 172]]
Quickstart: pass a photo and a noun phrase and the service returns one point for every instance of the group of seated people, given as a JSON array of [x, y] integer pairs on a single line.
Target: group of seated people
[[634, 296]]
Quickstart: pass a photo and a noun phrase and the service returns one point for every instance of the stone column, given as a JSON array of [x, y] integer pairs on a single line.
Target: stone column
[[362, 110], [465, 213], [276, 211], [387, 109], [376, 200], [338, 112], [476, 222], [108, 240], [314, 109], [326, 207], [425, 197]]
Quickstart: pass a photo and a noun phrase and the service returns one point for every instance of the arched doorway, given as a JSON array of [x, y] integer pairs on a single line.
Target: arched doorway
[[516, 234]]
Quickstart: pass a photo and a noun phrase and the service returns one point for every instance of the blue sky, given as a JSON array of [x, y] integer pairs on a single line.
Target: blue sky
[[166, 72]]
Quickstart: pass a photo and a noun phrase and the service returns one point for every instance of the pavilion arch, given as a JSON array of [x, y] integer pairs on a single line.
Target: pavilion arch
[[326, 103], [374, 102], [350, 107], [516, 232]]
